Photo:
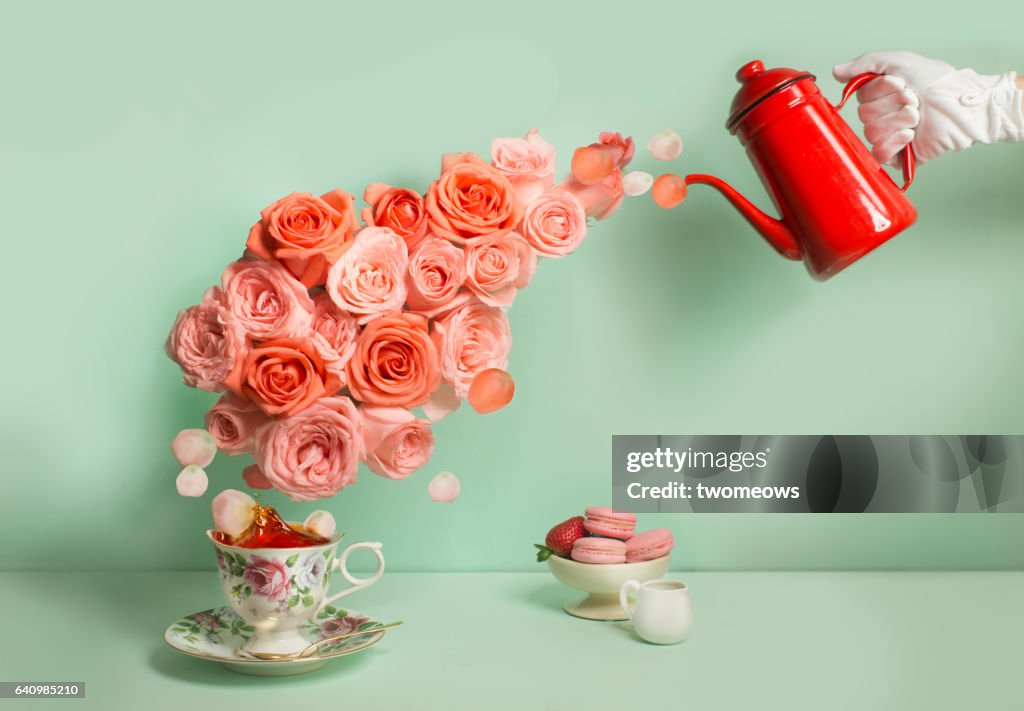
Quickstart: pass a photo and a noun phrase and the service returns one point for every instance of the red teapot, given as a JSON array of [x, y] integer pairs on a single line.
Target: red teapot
[[836, 203]]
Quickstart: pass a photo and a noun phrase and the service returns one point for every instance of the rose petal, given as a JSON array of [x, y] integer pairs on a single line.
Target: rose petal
[[232, 511], [592, 164], [637, 183], [194, 447], [669, 190], [444, 488], [321, 523], [491, 390], [192, 481], [255, 478], [442, 403], [665, 145]]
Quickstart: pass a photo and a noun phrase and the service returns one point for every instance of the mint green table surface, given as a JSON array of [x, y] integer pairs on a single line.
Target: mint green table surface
[[501, 641]]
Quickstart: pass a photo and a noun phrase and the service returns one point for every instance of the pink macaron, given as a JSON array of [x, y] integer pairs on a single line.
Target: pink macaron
[[599, 550], [602, 521], [649, 545]]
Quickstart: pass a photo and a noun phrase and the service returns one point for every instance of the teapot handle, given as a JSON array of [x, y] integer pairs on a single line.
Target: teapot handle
[[908, 152]]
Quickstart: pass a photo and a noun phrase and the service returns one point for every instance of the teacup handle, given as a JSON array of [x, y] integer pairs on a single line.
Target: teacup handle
[[630, 586], [356, 583]]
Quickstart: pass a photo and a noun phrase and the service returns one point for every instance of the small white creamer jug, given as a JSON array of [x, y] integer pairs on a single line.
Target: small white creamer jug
[[663, 614]]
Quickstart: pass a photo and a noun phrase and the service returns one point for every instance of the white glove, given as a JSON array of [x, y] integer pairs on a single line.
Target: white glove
[[932, 104]]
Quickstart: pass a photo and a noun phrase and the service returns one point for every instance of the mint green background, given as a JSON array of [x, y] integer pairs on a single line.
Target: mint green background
[[138, 145]]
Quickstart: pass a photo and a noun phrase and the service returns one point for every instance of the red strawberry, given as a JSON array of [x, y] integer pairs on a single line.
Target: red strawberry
[[560, 539]]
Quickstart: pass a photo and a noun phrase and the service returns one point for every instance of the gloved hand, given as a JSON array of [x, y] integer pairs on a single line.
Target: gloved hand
[[932, 104]]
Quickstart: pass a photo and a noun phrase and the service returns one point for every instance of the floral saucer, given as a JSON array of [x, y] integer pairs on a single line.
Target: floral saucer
[[218, 634]]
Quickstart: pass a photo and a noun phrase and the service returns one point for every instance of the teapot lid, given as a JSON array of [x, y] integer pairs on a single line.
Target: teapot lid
[[757, 84]]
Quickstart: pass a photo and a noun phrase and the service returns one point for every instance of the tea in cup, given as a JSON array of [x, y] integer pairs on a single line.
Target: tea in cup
[[278, 590]]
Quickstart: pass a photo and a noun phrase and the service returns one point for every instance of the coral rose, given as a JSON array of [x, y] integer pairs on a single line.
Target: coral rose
[[396, 442], [470, 200], [555, 223], [528, 163], [369, 279], [306, 234], [399, 209], [395, 362], [313, 454], [437, 270], [265, 300], [471, 339], [206, 343], [498, 266], [283, 377], [232, 421], [334, 334]]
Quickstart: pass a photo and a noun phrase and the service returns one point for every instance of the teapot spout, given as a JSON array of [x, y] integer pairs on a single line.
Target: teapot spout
[[773, 231]]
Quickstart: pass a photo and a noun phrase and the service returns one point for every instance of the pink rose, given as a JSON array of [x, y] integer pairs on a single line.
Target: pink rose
[[266, 300], [471, 199], [599, 200], [396, 442], [334, 334], [369, 279], [395, 362], [437, 270], [306, 234], [528, 163], [206, 343], [603, 198], [498, 266], [268, 577], [313, 454], [400, 209], [555, 223], [471, 339], [232, 421], [283, 377], [338, 626]]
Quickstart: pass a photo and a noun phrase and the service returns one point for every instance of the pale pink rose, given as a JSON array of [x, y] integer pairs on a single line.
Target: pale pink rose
[[266, 300], [555, 223], [334, 333], [528, 163], [400, 209], [437, 270], [206, 343], [314, 453], [599, 200], [232, 421], [396, 442], [498, 266], [369, 279], [471, 339], [268, 577]]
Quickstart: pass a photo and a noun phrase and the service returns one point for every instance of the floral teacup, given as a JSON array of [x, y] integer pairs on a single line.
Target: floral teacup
[[276, 590]]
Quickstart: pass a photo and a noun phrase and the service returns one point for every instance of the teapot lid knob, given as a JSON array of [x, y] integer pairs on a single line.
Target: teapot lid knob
[[749, 70]]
